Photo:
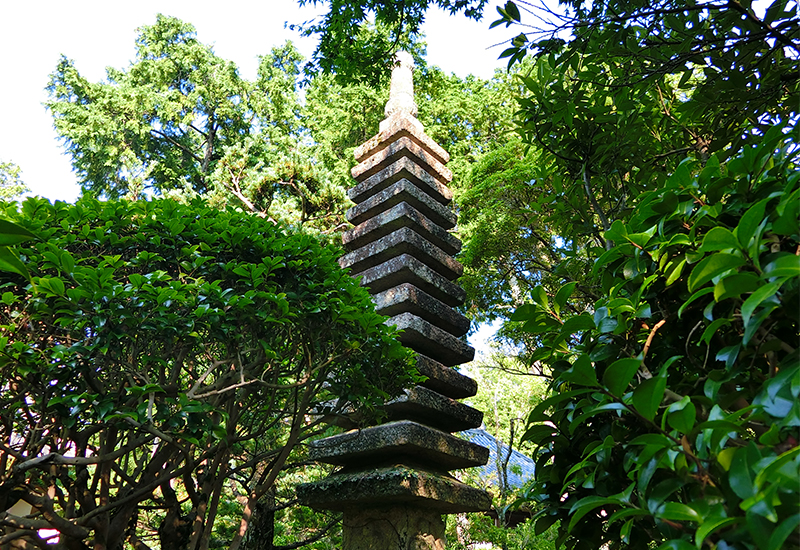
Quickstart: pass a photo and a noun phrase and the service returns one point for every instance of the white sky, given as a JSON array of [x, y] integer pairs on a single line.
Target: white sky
[[101, 33]]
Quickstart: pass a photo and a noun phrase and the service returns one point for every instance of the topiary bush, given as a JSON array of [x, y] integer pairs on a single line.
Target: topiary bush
[[163, 356]]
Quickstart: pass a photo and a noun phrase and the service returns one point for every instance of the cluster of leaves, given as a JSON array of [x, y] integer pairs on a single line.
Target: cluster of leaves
[[11, 184], [511, 213], [742, 67], [615, 95], [12, 234], [675, 417], [359, 38], [163, 354]]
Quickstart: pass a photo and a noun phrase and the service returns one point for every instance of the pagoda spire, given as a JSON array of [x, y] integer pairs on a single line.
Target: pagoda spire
[[401, 90]]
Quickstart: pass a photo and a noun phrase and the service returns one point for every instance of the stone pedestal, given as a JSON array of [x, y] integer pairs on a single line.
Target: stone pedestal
[[401, 528], [393, 482]]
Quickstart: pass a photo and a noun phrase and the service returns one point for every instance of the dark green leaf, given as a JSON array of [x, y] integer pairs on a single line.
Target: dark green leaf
[[676, 511], [648, 396], [538, 433], [709, 526], [749, 223], [586, 505], [512, 10], [581, 373], [756, 298], [577, 323], [11, 234], [10, 262], [785, 266], [741, 474], [524, 312], [539, 296], [719, 238], [782, 532], [733, 286], [619, 374], [681, 416], [676, 272], [563, 294], [712, 329], [712, 266]]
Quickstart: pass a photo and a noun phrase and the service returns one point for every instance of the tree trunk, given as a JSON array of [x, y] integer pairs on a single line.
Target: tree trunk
[[261, 532], [175, 529]]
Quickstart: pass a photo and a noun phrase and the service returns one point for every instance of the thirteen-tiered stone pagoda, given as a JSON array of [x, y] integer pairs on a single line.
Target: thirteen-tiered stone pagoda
[[393, 483]]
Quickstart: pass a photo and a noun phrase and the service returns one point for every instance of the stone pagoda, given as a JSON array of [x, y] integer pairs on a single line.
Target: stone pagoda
[[393, 483]]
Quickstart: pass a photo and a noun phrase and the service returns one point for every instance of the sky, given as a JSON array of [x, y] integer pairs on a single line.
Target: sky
[[100, 33]]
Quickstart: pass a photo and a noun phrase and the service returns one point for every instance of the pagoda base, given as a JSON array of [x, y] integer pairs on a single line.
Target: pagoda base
[[393, 486]]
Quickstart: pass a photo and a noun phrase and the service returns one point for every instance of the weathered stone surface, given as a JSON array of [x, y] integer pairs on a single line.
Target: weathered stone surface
[[399, 126], [401, 88], [406, 268], [397, 148], [403, 241], [434, 409], [396, 528], [406, 298], [402, 168], [393, 485], [404, 441], [445, 380], [421, 336], [402, 215], [402, 191]]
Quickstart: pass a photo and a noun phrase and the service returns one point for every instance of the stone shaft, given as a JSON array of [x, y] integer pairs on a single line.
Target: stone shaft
[[392, 528]]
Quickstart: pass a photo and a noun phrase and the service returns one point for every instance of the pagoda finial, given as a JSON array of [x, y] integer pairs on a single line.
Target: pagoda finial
[[401, 93]]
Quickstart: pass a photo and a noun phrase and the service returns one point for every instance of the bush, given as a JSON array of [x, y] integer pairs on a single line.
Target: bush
[[675, 417], [163, 353]]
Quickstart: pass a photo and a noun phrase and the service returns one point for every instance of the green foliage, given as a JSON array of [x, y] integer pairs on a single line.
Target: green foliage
[[468, 117], [181, 121], [676, 412], [165, 353], [468, 530], [11, 184], [511, 215], [358, 38], [159, 124], [739, 69], [12, 234], [608, 115], [504, 398]]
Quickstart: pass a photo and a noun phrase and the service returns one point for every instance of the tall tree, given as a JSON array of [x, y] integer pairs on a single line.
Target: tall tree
[[630, 449], [181, 120]]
